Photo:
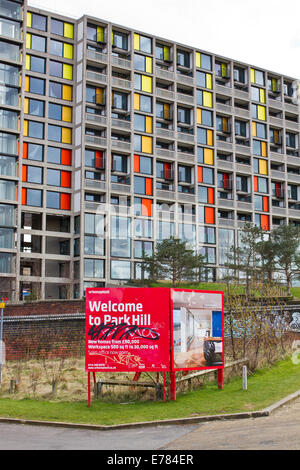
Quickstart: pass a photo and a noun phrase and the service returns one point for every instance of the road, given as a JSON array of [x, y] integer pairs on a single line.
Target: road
[[279, 431]]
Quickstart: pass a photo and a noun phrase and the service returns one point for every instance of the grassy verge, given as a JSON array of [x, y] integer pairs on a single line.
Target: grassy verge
[[264, 388]]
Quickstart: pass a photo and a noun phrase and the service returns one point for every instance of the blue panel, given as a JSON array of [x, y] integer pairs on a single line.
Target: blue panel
[[217, 324]]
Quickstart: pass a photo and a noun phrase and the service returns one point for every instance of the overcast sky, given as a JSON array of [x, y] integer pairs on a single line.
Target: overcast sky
[[264, 33]]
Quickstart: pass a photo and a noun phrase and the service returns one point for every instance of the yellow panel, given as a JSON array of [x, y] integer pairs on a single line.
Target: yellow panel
[[29, 19], [149, 124], [25, 132], [262, 95], [100, 34], [263, 167], [67, 114], [28, 62], [209, 137], [66, 135], [252, 71], [68, 51], [136, 41], [209, 81], [68, 71], [146, 144], [166, 53], [67, 93], [167, 111], [26, 106], [261, 113], [198, 59], [207, 99], [69, 31], [149, 64], [28, 41], [254, 129], [27, 83], [208, 156], [264, 149], [199, 116], [147, 83], [136, 101]]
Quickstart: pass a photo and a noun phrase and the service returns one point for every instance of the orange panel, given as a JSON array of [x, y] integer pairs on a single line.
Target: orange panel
[[147, 207], [211, 196], [136, 164], [65, 179], [266, 204], [25, 150], [65, 201], [209, 215], [255, 183], [149, 191], [66, 157], [200, 174], [24, 173], [264, 222], [99, 163], [24, 196]]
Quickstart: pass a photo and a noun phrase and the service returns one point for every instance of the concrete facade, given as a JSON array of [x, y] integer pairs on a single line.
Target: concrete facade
[[113, 139]]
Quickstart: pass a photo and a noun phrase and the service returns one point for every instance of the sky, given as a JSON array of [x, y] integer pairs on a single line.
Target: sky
[[263, 33]]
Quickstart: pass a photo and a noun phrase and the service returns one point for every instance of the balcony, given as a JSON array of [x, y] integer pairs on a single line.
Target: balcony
[[123, 63], [183, 98], [96, 77], [120, 145], [121, 83], [167, 94], [166, 133], [120, 123], [96, 56], [165, 153], [185, 79], [94, 140], [161, 73], [96, 119]]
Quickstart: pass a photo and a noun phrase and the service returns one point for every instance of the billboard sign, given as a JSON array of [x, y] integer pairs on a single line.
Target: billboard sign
[[127, 330], [197, 329]]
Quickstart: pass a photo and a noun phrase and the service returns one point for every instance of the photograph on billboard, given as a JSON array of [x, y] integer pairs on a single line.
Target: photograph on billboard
[[197, 329], [127, 330]]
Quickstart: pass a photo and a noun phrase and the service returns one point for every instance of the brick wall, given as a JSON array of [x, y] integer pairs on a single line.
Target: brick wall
[[58, 307]]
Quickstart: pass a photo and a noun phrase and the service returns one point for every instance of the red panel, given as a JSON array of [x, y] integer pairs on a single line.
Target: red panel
[[99, 162], [24, 196], [65, 201], [25, 150], [66, 157], [136, 164], [149, 190], [65, 179], [147, 207], [256, 183], [266, 204], [200, 174], [209, 215], [264, 222], [211, 196]]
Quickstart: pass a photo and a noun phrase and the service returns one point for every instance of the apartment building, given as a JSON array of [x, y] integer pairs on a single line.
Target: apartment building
[[113, 139]]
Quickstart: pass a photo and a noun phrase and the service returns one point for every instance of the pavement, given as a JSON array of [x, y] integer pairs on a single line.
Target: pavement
[[279, 431], [277, 428]]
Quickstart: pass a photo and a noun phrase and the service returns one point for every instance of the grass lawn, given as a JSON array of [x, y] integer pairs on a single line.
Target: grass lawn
[[295, 291], [264, 388]]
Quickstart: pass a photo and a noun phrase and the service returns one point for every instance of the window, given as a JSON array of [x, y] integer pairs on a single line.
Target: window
[[59, 156], [184, 115], [203, 61], [8, 166], [120, 40], [94, 224], [291, 140], [120, 163], [258, 94], [10, 9], [241, 128], [204, 98], [35, 85], [260, 148], [142, 248], [143, 103], [163, 52], [183, 58], [142, 43], [8, 119], [95, 33], [9, 95], [35, 64], [36, 21], [143, 228], [143, 185], [165, 230], [203, 79], [143, 164], [56, 200], [242, 183], [93, 245], [261, 184], [239, 74], [143, 143], [143, 123], [257, 77], [258, 112], [259, 130], [143, 83], [34, 129], [58, 178], [94, 268], [59, 112], [32, 174], [34, 107], [7, 215], [33, 151], [60, 134], [120, 100], [206, 195], [61, 70], [62, 29], [9, 74], [8, 143], [61, 49], [120, 270], [205, 155], [205, 117], [204, 136], [120, 237], [94, 159], [9, 51], [36, 43], [32, 197], [207, 235], [60, 91], [143, 63]]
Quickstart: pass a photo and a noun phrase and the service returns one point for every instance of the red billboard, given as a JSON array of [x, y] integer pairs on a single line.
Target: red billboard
[[127, 330]]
